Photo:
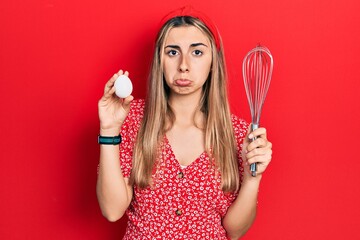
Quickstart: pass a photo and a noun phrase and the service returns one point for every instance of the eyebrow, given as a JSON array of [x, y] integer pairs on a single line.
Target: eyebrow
[[192, 45]]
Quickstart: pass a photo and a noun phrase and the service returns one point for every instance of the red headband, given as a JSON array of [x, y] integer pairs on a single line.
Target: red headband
[[191, 12]]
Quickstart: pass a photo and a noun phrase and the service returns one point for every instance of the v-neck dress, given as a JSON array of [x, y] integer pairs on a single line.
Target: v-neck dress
[[183, 203]]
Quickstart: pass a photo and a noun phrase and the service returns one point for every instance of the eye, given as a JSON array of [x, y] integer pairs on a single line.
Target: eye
[[198, 52], [172, 53]]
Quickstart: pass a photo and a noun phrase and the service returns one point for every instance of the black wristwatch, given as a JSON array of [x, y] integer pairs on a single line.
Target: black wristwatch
[[109, 140]]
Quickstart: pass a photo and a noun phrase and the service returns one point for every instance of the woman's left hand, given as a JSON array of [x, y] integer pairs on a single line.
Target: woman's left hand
[[258, 151]]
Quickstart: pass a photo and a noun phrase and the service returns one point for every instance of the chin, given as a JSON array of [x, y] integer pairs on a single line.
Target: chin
[[183, 91]]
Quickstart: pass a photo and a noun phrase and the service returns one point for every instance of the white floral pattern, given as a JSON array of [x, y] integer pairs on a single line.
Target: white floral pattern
[[184, 203]]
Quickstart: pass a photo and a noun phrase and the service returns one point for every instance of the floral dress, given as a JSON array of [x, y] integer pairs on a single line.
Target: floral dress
[[183, 202]]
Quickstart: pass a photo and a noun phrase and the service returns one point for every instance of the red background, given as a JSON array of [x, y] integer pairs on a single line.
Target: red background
[[55, 57]]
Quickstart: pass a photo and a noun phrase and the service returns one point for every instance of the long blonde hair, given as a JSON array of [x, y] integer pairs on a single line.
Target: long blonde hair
[[219, 136]]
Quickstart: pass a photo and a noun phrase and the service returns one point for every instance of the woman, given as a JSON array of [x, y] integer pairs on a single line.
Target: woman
[[184, 159]]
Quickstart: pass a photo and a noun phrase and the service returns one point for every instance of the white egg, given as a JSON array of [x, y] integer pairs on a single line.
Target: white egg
[[123, 86]]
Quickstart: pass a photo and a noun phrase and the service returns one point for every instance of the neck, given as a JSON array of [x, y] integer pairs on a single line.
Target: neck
[[186, 108]]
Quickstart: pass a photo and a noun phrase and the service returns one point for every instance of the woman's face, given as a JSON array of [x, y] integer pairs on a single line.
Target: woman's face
[[187, 60]]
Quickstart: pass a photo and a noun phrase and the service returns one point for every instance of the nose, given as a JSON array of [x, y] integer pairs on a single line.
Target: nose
[[184, 65]]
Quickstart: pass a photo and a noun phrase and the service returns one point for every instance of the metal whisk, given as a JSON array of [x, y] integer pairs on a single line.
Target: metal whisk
[[257, 70]]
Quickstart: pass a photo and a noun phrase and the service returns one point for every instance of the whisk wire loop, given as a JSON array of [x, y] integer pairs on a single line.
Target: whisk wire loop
[[257, 72]]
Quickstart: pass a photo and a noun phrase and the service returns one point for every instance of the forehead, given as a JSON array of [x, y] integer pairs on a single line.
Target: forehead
[[186, 35]]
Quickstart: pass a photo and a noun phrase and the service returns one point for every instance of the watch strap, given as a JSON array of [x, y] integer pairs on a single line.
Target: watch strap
[[105, 140]]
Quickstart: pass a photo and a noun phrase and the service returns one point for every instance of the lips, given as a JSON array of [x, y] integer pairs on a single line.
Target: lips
[[182, 82]]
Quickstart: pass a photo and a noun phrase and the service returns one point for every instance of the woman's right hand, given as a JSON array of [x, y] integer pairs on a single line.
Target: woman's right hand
[[112, 109]]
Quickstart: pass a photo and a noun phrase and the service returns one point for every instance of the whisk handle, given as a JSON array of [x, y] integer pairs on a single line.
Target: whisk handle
[[253, 166]]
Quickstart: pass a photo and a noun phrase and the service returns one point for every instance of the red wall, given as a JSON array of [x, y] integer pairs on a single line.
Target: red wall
[[55, 57]]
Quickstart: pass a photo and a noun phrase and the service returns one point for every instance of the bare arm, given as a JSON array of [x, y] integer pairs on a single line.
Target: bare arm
[[241, 214], [113, 190]]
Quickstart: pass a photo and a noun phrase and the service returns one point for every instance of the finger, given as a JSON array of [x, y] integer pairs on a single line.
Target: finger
[[263, 160], [259, 132], [110, 83], [109, 93], [112, 91], [255, 152], [127, 101], [112, 80], [257, 143], [259, 152]]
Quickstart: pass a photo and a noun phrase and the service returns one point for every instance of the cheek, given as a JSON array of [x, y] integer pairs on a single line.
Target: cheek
[[167, 74], [206, 68], [206, 63], [169, 67]]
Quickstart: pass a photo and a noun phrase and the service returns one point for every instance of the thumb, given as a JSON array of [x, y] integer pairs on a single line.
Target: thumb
[[246, 139], [127, 101]]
